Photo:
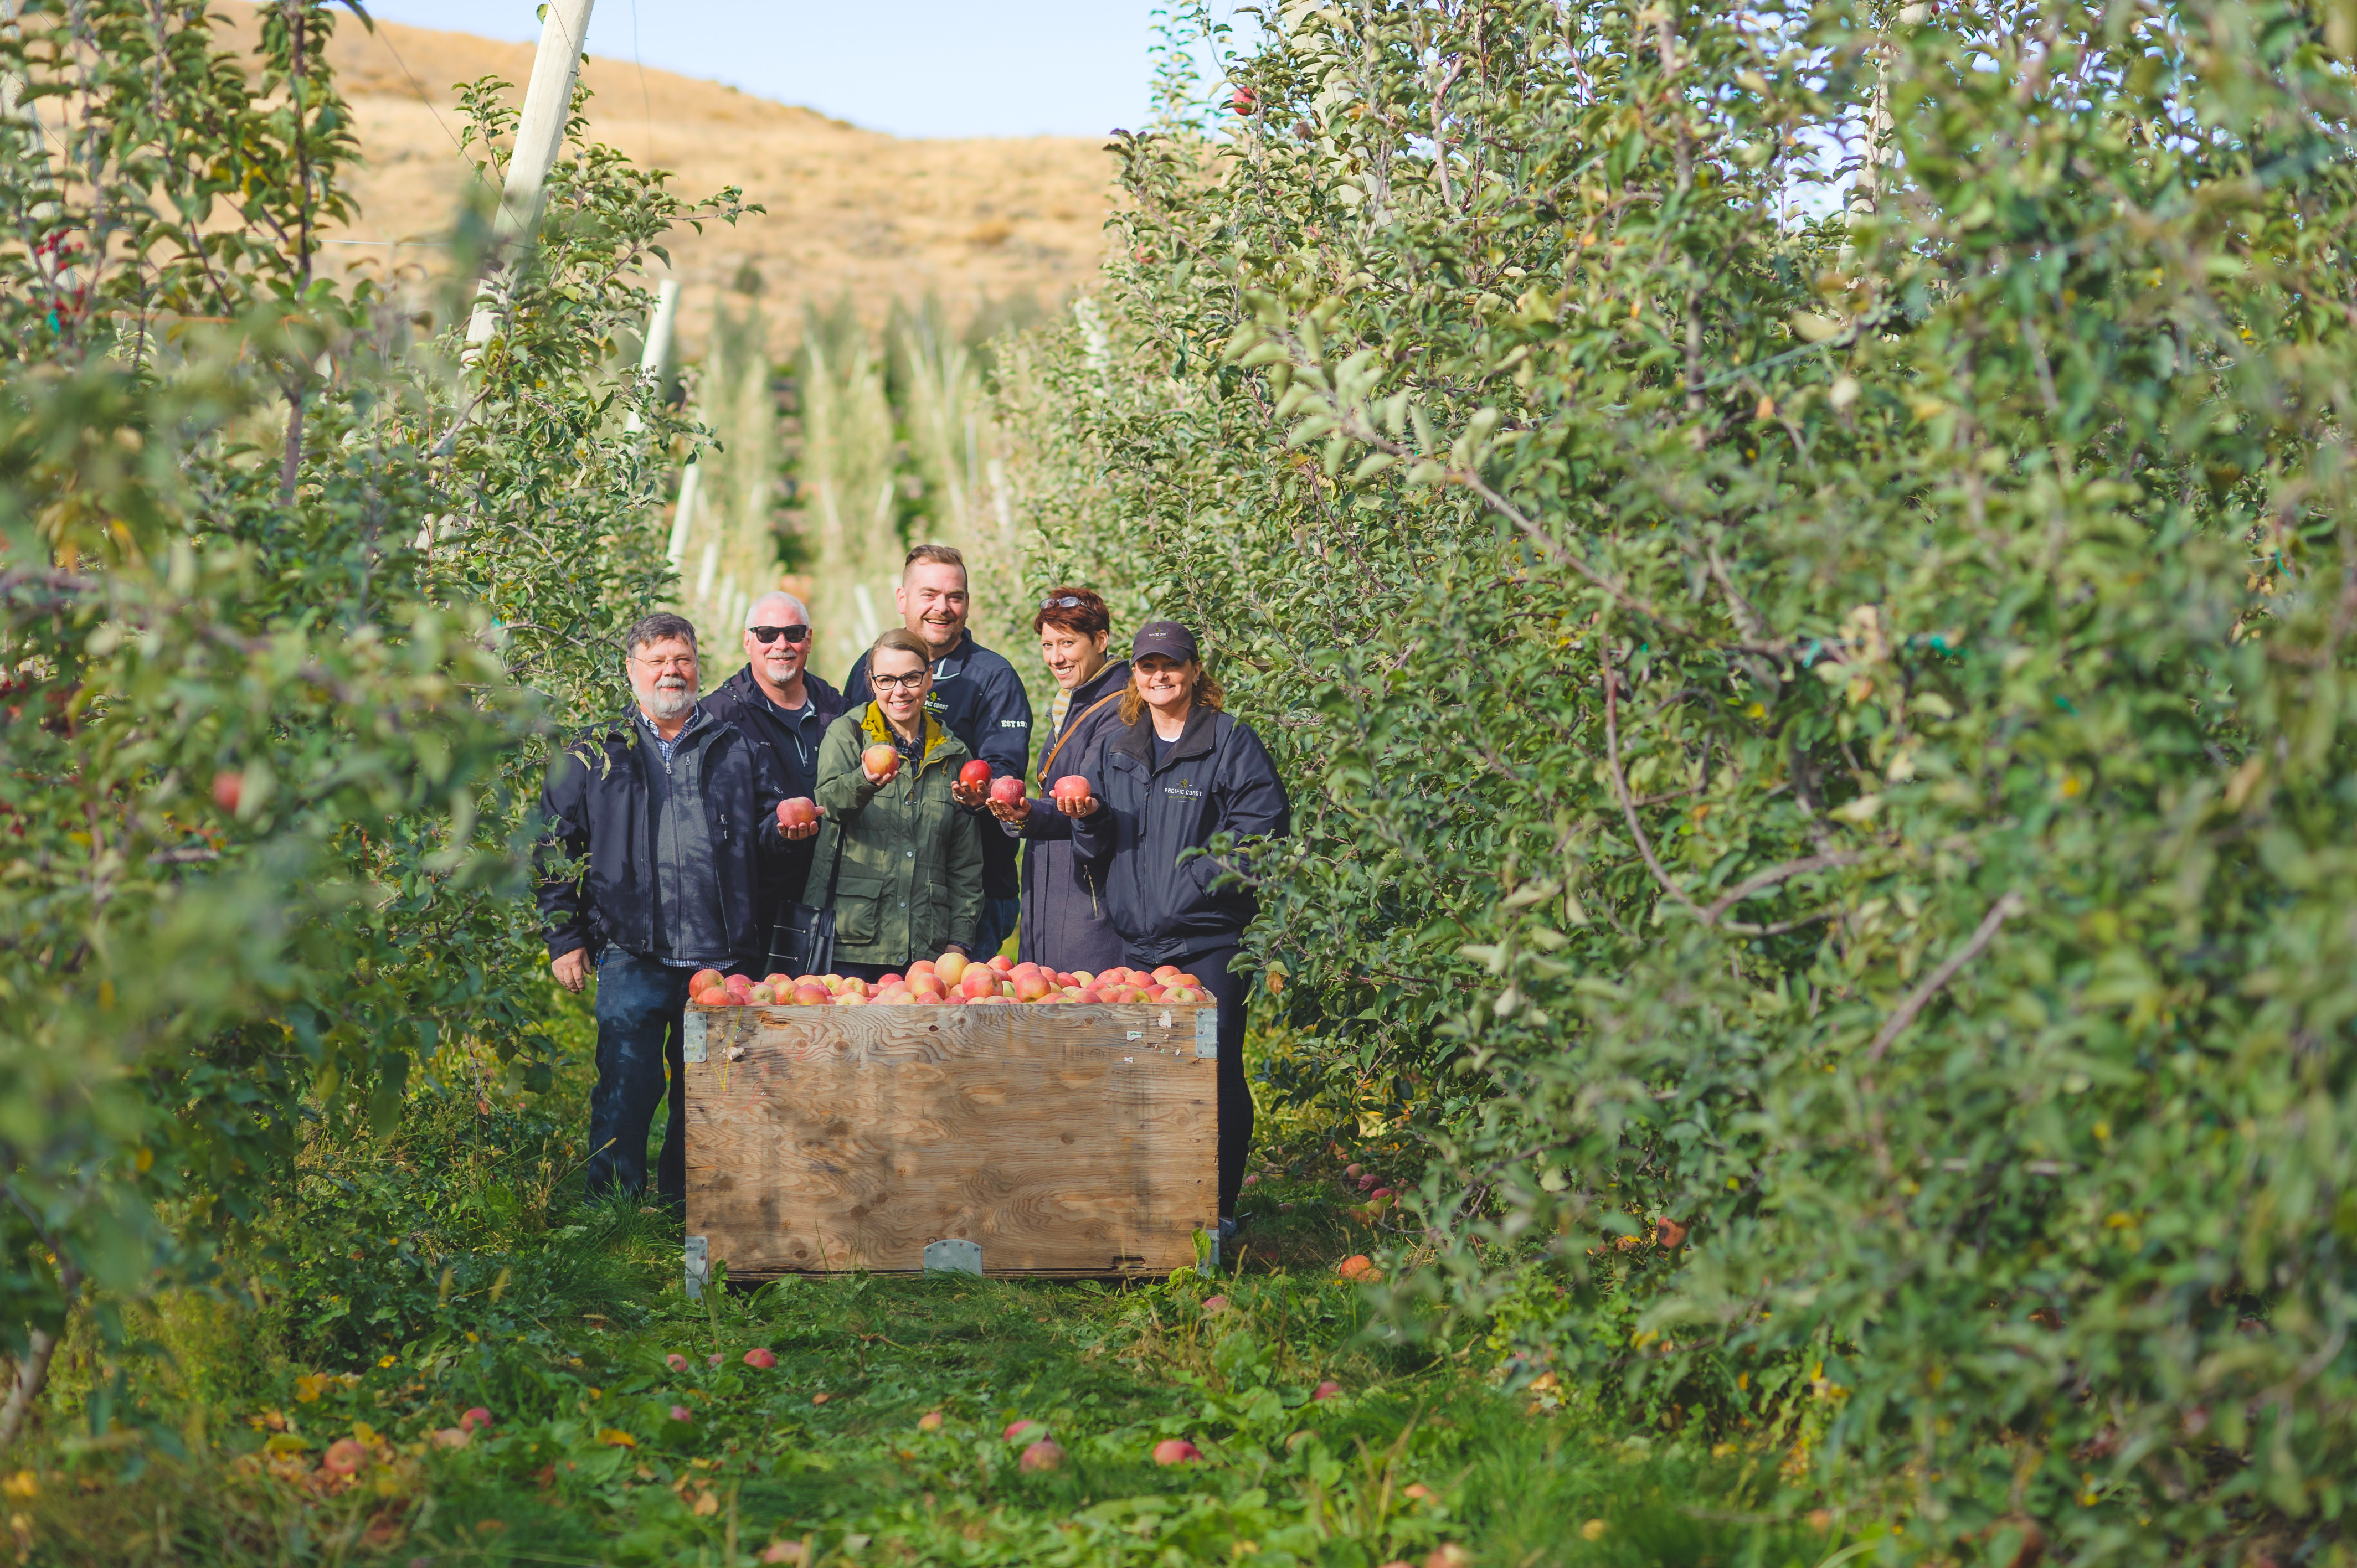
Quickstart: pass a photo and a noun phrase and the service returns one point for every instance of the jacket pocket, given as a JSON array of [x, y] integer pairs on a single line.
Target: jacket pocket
[[858, 909]]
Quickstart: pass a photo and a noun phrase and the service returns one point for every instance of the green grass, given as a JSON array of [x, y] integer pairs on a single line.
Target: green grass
[[458, 1266]]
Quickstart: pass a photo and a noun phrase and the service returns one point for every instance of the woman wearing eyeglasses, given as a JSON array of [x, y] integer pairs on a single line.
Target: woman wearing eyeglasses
[[901, 865], [1174, 773], [1064, 921], [776, 701]]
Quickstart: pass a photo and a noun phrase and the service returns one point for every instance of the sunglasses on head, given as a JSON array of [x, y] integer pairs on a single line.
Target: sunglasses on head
[[1064, 602], [769, 634]]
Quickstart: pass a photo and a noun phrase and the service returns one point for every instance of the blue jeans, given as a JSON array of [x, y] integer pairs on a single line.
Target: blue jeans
[[998, 923], [640, 1007]]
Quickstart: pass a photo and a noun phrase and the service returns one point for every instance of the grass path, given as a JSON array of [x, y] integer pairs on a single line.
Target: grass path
[[313, 1412]]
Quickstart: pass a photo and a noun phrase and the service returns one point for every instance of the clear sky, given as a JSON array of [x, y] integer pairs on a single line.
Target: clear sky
[[914, 67]]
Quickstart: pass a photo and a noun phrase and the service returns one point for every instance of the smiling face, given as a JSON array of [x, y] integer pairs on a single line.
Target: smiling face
[[663, 677], [1072, 656], [778, 663], [900, 680], [1167, 685], [933, 602]]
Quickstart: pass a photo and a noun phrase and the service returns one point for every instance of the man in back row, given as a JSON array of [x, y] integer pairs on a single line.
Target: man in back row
[[978, 698]]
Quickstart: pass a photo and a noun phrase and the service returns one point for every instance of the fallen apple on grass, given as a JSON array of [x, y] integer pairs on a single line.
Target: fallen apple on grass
[[345, 1456], [1044, 1455], [930, 1421], [1177, 1451], [1327, 1389]]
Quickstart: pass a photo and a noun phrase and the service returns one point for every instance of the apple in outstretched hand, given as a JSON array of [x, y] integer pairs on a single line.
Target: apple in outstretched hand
[[975, 774], [1007, 791], [1073, 795], [882, 762], [802, 811]]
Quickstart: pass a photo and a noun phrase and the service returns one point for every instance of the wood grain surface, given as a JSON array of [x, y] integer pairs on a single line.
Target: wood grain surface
[[1063, 1140]]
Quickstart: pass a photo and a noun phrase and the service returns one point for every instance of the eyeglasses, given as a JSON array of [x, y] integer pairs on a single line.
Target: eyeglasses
[[1059, 602], [900, 683], [769, 634], [685, 662]]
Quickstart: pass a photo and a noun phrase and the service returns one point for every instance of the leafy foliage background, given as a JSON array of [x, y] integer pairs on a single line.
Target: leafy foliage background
[[1799, 565], [293, 603]]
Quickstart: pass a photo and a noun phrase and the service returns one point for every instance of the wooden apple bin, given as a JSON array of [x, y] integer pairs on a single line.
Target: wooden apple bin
[[1061, 1141]]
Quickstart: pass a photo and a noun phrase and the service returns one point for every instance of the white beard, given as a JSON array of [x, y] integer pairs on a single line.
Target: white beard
[[668, 704]]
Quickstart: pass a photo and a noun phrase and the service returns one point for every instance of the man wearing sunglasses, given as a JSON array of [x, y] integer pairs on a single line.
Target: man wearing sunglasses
[[778, 702]]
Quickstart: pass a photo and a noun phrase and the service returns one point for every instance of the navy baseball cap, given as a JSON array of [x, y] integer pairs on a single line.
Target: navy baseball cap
[[1167, 637]]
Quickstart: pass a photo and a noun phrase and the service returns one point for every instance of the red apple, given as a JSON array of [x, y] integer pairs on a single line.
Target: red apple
[[808, 994], [1015, 1428], [1327, 1389], [1176, 1451], [1043, 1455], [882, 761], [474, 1418], [346, 1457], [931, 1421], [979, 981], [1072, 786], [890, 981], [951, 967], [1356, 1266], [704, 979], [1032, 988], [761, 1359], [1166, 973], [1002, 963], [976, 774], [1246, 102], [228, 789], [1007, 791], [801, 812]]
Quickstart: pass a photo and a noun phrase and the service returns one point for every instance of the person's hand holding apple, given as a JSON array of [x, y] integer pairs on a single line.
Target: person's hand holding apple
[[1006, 799], [1074, 798], [880, 763], [798, 818], [972, 789]]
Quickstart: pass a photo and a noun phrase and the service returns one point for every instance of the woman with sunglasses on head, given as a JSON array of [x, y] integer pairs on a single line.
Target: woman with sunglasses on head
[[1064, 923], [1174, 773], [776, 700], [901, 863]]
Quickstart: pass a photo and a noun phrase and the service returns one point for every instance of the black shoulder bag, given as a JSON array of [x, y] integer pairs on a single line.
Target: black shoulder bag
[[803, 942]]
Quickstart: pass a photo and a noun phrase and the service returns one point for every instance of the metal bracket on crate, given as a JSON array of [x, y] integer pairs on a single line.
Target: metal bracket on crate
[[1207, 1031], [699, 1267], [691, 1037], [953, 1256]]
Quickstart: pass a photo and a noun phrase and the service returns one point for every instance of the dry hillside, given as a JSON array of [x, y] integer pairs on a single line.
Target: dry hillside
[[849, 211]]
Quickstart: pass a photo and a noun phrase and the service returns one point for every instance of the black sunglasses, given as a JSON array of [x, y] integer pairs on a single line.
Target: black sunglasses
[[769, 634], [1066, 603]]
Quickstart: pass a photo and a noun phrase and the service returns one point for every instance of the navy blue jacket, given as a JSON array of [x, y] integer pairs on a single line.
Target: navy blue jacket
[[596, 804], [978, 698], [1064, 920], [739, 700], [1218, 778]]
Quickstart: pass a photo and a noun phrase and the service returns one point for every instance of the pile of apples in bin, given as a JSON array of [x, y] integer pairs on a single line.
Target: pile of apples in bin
[[950, 980]]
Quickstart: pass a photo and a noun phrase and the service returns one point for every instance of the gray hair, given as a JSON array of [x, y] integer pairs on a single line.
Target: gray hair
[[753, 610], [661, 627]]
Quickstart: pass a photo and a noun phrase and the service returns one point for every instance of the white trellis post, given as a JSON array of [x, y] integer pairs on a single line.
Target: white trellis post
[[539, 139], [658, 347], [689, 482]]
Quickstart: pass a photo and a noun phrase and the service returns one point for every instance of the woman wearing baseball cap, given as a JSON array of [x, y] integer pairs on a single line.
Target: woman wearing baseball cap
[[1175, 772]]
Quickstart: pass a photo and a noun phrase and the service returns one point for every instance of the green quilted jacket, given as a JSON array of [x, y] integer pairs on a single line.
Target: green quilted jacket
[[910, 876]]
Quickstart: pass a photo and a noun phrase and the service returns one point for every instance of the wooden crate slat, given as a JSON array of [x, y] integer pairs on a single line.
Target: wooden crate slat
[[1063, 1140]]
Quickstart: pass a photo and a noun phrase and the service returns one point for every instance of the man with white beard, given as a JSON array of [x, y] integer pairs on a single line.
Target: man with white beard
[[661, 827]]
